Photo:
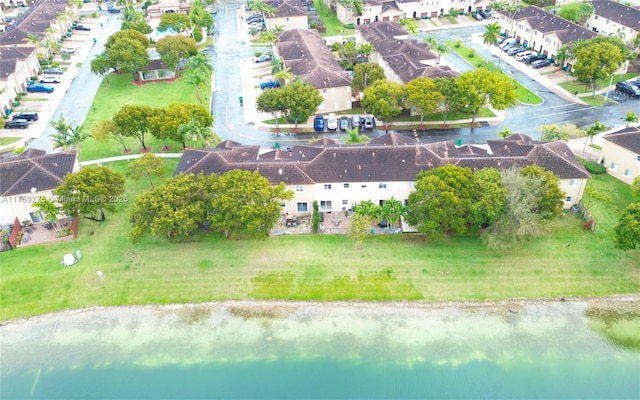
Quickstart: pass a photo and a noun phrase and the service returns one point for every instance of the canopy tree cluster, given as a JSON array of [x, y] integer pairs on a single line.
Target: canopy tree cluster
[[598, 58], [296, 101], [125, 51], [628, 229], [511, 204], [236, 203]]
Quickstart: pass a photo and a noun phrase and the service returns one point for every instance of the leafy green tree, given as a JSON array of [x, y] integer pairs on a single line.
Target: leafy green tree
[[441, 201], [68, 135], [353, 137], [438, 47], [565, 132], [359, 229], [175, 21], [175, 209], [598, 58], [355, 6], [368, 209], [194, 130], [491, 33], [245, 202], [262, 7], [447, 87], [146, 166], [423, 95], [576, 12], [591, 194], [271, 101], [591, 132], [133, 121], [476, 88], [628, 228], [635, 188], [166, 123], [126, 36], [564, 53], [348, 52], [50, 211], [127, 51], [198, 72], [199, 16], [630, 118], [175, 48], [134, 20], [384, 99], [550, 198], [103, 130], [365, 74], [504, 133], [101, 65], [489, 197], [301, 100], [393, 210], [91, 191], [409, 24]]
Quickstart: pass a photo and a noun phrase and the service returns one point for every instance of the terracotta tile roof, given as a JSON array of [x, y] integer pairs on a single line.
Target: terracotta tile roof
[[306, 54], [34, 170], [628, 138], [618, 13], [388, 158]]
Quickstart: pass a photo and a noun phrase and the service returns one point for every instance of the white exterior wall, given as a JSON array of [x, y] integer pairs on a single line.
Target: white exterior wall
[[335, 99], [573, 189], [343, 198], [605, 27], [289, 23], [20, 206], [427, 8], [621, 163]]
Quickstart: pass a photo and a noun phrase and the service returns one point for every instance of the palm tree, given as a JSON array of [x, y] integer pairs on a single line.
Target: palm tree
[[61, 138], [284, 75], [564, 52], [436, 46], [504, 133], [490, 37], [198, 71], [192, 130], [50, 210], [630, 118], [394, 210], [34, 39], [591, 133]]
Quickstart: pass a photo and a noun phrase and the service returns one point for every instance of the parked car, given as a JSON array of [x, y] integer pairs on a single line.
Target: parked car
[[524, 54], [332, 122], [635, 83], [263, 58], [628, 88], [70, 50], [50, 79], [269, 85], [39, 88], [318, 123], [29, 116], [369, 122], [534, 57], [478, 17], [16, 124], [540, 64], [254, 20], [82, 28], [485, 14], [113, 10], [508, 42], [54, 71], [345, 123], [357, 121], [515, 50]]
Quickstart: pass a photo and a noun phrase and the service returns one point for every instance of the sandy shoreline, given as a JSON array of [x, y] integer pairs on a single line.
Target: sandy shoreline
[[281, 308]]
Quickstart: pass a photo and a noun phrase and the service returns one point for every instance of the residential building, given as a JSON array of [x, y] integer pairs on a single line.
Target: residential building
[[17, 66], [401, 58], [168, 6], [611, 18], [621, 154], [28, 177], [541, 30], [340, 176], [290, 14], [304, 52]]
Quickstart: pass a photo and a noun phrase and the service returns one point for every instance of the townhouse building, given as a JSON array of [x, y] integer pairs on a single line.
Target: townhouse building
[[621, 154], [290, 14]]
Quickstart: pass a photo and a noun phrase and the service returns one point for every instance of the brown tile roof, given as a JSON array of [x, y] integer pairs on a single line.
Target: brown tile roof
[[34, 21], [306, 54], [34, 170], [324, 142], [388, 158], [618, 13], [288, 8], [389, 5], [9, 57], [546, 22], [628, 138]]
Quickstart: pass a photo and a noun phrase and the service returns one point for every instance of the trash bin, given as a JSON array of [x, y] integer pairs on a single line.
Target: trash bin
[[276, 146], [240, 99], [459, 142]]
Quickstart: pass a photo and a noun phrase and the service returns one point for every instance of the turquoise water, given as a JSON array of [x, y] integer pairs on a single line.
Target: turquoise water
[[316, 352]]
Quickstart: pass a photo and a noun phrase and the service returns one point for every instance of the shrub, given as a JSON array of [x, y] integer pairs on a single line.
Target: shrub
[[349, 26], [312, 26], [458, 44], [335, 46], [595, 168], [197, 34], [472, 53], [588, 225]]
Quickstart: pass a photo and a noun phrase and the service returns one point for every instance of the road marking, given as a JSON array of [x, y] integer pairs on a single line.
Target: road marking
[[249, 137]]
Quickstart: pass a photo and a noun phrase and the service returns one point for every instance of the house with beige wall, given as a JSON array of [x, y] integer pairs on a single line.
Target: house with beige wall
[[621, 154], [17, 66], [28, 177], [394, 10], [306, 55], [290, 14], [167, 7], [340, 176]]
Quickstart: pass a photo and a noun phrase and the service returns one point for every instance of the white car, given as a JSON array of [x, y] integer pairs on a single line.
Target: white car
[[524, 54], [70, 50], [332, 122], [50, 79]]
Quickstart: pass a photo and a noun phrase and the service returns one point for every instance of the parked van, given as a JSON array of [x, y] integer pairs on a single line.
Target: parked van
[[524, 54], [29, 116], [508, 42], [332, 122]]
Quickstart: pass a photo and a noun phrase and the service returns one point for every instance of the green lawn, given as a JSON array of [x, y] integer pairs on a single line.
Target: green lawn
[[568, 262], [575, 86], [121, 91], [525, 96], [330, 21], [8, 139]]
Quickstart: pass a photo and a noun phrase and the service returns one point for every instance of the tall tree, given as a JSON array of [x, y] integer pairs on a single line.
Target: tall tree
[[91, 191], [146, 166], [424, 96], [127, 35], [271, 101], [365, 74], [301, 100], [409, 24], [564, 53], [175, 21], [175, 48], [245, 203], [436, 46], [393, 210], [50, 211], [133, 121], [167, 122], [194, 131], [198, 72], [630, 118], [476, 88], [103, 130], [628, 228], [68, 135], [598, 58], [576, 12], [447, 87], [384, 99], [490, 36], [488, 197], [127, 51], [101, 65], [591, 132], [550, 198]]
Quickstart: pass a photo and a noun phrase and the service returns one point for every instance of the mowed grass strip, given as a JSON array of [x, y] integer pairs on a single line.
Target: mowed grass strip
[[569, 261]]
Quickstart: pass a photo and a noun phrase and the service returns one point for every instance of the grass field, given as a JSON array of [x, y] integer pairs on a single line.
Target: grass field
[[525, 96], [8, 140], [569, 261], [575, 86], [330, 21], [121, 91]]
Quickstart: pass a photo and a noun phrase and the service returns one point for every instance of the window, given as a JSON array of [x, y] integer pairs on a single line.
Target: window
[[406, 202], [299, 188], [613, 166], [327, 186], [364, 186], [345, 202], [346, 186], [324, 90], [568, 199], [412, 185], [573, 182], [382, 185], [627, 173], [638, 158], [325, 205], [595, 17], [303, 208]]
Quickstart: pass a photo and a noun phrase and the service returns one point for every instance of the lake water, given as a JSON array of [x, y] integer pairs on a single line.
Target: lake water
[[243, 350]]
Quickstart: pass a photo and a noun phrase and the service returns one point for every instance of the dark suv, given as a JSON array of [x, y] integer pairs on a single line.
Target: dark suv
[[16, 124], [628, 88], [29, 116]]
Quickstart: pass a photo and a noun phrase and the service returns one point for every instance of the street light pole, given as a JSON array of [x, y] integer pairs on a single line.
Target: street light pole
[[606, 96]]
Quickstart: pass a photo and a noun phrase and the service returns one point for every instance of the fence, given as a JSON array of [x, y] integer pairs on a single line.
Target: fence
[[587, 216]]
